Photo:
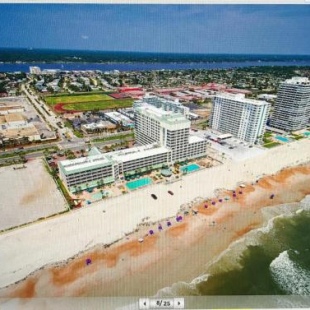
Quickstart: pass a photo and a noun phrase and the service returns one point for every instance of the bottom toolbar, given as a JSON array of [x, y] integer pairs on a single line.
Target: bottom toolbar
[[161, 303]]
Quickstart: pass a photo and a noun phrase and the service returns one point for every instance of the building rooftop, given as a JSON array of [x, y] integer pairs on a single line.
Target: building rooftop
[[85, 163], [137, 152], [94, 151], [162, 115], [2, 119], [14, 133], [194, 139], [14, 117], [241, 98], [102, 124], [95, 159], [118, 116], [297, 80]]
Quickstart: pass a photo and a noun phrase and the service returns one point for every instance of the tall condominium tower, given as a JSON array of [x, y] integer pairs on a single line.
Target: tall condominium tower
[[292, 107], [244, 118]]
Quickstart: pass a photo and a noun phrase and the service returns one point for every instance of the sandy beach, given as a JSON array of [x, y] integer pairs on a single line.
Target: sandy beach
[[179, 253]]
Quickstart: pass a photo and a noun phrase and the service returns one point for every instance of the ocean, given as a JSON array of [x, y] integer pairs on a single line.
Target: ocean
[[272, 260], [141, 66]]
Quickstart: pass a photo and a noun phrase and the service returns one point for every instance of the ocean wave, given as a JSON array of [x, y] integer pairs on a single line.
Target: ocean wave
[[305, 203], [230, 258], [290, 277], [182, 288]]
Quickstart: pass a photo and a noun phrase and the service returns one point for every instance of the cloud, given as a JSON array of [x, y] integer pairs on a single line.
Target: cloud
[[84, 37]]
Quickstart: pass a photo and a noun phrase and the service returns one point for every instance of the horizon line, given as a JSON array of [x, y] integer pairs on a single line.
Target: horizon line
[[148, 52]]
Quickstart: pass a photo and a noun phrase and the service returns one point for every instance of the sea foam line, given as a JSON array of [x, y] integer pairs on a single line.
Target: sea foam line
[[291, 277]]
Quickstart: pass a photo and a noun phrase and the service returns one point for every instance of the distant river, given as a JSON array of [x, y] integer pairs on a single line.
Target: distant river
[[24, 67]]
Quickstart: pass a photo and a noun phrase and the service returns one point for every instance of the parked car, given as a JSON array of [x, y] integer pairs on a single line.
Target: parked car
[[170, 192], [154, 196]]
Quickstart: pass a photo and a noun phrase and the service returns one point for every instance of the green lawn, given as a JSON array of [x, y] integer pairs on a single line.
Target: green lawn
[[116, 137], [272, 144], [52, 100], [100, 105], [297, 137], [267, 134]]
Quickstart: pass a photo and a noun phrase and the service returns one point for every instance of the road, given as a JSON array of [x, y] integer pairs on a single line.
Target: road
[[51, 118]]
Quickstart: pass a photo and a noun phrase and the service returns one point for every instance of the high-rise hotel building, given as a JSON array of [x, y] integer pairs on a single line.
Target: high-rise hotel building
[[163, 138], [168, 129], [292, 107], [243, 118]]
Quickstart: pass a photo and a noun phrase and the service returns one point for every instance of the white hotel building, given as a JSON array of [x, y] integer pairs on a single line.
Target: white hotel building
[[243, 118], [163, 137], [292, 107]]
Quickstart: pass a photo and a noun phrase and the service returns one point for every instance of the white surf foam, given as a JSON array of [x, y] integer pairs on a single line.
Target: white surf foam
[[182, 288], [230, 258], [306, 203], [292, 278]]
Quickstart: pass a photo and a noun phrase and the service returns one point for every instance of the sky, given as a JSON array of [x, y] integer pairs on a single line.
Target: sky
[[229, 29]]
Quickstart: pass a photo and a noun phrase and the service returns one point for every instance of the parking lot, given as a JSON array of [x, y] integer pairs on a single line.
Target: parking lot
[[233, 148]]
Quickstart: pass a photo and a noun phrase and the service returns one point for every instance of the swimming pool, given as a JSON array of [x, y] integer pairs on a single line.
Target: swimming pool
[[190, 168], [138, 183], [282, 139], [96, 196], [307, 134]]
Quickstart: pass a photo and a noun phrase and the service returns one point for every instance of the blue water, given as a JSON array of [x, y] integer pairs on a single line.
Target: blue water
[[97, 196], [137, 66], [138, 183], [282, 139], [190, 168], [274, 260], [307, 133]]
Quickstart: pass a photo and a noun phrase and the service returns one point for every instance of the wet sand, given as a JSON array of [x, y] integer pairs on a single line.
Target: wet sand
[[179, 253]]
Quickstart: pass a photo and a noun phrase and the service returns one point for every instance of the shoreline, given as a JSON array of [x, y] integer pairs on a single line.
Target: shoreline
[[103, 223], [136, 263]]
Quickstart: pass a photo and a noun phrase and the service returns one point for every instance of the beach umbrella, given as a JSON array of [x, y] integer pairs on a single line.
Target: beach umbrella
[[140, 239], [88, 261], [240, 192], [213, 202], [220, 200], [168, 224], [206, 206], [151, 232], [271, 196], [234, 192], [234, 195], [160, 227]]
